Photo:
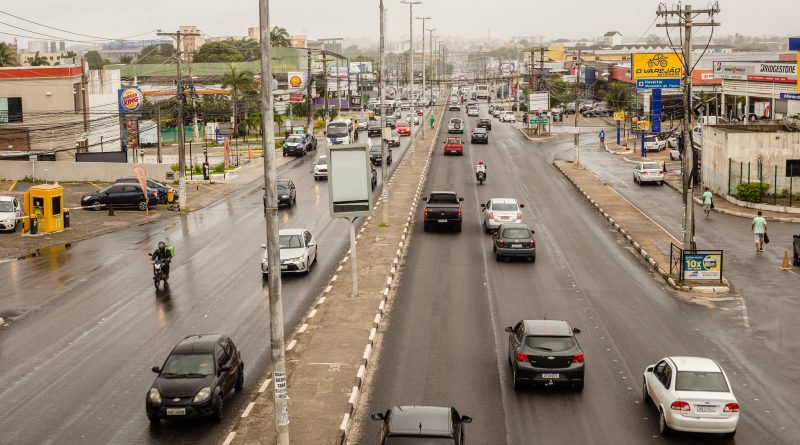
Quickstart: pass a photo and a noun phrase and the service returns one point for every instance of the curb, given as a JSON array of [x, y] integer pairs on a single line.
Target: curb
[[402, 248], [652, 262]]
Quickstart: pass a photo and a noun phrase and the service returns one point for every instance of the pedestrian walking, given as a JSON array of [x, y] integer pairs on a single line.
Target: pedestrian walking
[[759, 228], [602, 137], [707, 201], [431, 121]]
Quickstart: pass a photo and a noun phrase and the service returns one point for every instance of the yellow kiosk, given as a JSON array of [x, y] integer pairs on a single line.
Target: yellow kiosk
[[45, 202]]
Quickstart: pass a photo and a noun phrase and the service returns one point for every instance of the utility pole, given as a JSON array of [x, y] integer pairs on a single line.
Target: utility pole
[[577, 109], [430, 50], [309, 102], [684, 18], [411, 4], [325, 79], [158, 136], [384, 129], [349, 99], [280, 397], [178, 35], [422, 93]]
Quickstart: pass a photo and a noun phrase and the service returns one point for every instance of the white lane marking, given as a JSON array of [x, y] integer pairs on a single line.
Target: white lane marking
[[312, 313], [264, 385], [229, 439], [367, 352], [372, 334], [248, 409], [345, 421], [322, 300], [303, 328], [353, 395], [291, 345], [745, 317], [328, 289], [361, 370]]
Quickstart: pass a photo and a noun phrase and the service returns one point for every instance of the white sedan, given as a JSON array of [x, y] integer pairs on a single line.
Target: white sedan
[[691, 394], [508, 116], [298, 251], [648, 172], [499, 211], [472, 111]]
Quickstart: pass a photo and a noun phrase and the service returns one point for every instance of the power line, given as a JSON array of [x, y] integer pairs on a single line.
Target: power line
[[66, 31]]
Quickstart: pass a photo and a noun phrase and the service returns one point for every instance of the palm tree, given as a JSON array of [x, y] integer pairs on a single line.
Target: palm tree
[[240, 83], [279, 37], [253, 121], [7, 57], [39, 60]]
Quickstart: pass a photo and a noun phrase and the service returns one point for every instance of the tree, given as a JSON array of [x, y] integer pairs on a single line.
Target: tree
[[155, 54], [219, 51], [279, 37], [560, 91], [241, 83], [618, 95], [653, 39], [253, 122], [248, 48], [7, 56], [39, 60], [126, 60], [95, 60]]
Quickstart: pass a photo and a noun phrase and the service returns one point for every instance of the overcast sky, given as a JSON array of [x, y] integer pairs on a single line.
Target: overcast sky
[[359, 18]]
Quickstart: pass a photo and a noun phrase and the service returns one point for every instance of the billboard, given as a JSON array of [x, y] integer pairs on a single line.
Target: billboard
[[780, 72], [538, 101], [702, 266], [130, 100], [656, 66], [349, 181]]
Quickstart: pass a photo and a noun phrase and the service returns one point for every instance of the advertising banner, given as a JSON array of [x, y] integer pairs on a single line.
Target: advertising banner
[[656, 66], [780, 72], [130, 100], [538, 102], [652, 84], [702, 266]]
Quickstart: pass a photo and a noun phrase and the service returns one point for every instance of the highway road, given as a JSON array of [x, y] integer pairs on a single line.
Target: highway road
[[88, 324], [444, 343]]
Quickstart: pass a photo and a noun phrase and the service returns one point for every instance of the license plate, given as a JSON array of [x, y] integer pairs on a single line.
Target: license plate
[[284, 267], [516, 245], [550, 375], [176, 411], [442, 220], [706, 408]]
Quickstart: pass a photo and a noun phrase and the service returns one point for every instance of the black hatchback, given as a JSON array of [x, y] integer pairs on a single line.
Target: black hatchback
[[121, 195], [195, 379], [162, 188], [545, 352], [424, 425]]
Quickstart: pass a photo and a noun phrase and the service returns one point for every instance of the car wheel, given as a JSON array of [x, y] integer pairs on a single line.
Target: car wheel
[[533, 258], [661, 183], [142, 205], [154, 420], [96, 205], [663, 428], [425, 227], [239, 379], [264, 276], [516, 383], [458, 228], [497, 257], [219, 409], [486, 228], [645, 394], [579, 386], [731, 434]]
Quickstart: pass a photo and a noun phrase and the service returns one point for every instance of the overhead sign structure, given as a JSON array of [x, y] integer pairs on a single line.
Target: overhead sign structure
[[296, 80], [619, 115], [349, 181], [779, 72], [130, 100], [538, 101], [652, 84], [656, 66]]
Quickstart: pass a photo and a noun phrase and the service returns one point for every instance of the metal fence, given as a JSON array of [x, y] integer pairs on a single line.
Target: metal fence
[[781, 188]]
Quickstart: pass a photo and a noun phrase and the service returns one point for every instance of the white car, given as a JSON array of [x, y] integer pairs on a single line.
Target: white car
[[499, 211], [654, 143], [321, 168], [407, 117], [508, 116], [10, 213], [691, 394], [472, 111], [298, 251], [393, 140], [648, 172], [455, 125]]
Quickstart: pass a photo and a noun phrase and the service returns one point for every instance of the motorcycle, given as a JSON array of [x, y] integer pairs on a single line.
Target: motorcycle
[[158, 270], [481, 176]]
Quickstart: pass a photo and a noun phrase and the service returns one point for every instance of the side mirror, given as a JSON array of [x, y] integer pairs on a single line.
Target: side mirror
[[460, 199], [156, 369], [483, 206], [312, 244], [649, 369], [509, 329], [263, 246], [576, 331], [466, 419], [378, 416], [425, 199], [522, 206]]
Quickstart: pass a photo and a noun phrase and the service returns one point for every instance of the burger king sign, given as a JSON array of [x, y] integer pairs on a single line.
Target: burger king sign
[[130, 100]]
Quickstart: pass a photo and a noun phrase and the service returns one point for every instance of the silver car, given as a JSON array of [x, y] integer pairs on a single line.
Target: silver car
[[499, 211], [648, 172], [298, 251]]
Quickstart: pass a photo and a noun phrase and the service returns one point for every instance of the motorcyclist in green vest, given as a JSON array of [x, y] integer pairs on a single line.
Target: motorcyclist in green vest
[[163, 255]]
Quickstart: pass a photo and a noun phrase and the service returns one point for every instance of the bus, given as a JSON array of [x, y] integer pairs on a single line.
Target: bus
[[482, 91], [339, 131]]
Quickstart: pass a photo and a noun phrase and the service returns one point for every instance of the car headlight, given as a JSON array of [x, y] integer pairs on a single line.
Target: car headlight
[[299, 258], [154, 396], [202, 395], [284, 196]]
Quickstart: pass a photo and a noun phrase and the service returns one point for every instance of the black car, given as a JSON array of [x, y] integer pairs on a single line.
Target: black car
[[485, 123], [375, 155], [479, 135], [295, 145], [287, 194], [195, 379], [405, 425], [121, 195], [514, 240], [391, 122], [152, 184], [373, 128], [545, 352]]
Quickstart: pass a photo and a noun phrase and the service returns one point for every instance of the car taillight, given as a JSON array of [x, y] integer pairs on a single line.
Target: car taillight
[[426, 213], [490, 215], [731, 408], [459, 213], [533, 244], [680, 405], [579, 356], [521, 357], [644, 173]]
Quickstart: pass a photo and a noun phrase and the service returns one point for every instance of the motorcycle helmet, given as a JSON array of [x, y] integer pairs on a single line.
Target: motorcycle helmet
[[480, 162], [162, 245]]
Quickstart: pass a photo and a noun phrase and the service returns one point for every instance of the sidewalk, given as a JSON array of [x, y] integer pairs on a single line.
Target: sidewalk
[[327, 356], [651, 241]]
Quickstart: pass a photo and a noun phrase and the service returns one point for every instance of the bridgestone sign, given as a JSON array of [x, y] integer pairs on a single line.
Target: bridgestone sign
[[756, 71]]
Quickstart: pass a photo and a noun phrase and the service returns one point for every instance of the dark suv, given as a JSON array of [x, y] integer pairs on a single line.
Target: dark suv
[[405, 425], [195, 379], [545, 352], [376, 155], [373, 128], [485, 123]]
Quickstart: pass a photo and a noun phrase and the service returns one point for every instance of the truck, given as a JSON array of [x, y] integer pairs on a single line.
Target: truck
[[442, 209]]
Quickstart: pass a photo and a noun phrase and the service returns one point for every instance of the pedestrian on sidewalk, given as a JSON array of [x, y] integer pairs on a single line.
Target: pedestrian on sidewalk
[[759, 227], [602, 137], [707, 201], [432, 121]]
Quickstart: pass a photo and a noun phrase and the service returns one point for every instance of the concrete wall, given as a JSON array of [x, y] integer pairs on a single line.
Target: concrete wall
[[65, 171], [766, 143]]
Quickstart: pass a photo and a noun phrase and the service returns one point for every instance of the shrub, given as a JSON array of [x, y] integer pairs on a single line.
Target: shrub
[[751, 191]]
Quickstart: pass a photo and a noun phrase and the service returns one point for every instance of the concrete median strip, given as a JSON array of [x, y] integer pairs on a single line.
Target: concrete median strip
[[337, 335]]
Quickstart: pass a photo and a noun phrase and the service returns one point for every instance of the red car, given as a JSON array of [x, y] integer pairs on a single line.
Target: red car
[[454, 145], [403, 129]]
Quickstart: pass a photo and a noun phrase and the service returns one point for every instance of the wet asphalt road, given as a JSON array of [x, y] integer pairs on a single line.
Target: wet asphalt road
[[88, 324], [445, 345]]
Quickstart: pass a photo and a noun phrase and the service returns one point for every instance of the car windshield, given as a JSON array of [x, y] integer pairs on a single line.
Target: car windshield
[[649, 138], [550, 343], [375, 149], [322, 160], [453, 141], [516, 233], [188, 366], [417, 440], [651, 166], [701, 381], [294, 139], [6, 206], [479, 130], [290, 241], [402, 124], [505, 206], [339, 129], [283, 185], [443, 198], [455, 121]]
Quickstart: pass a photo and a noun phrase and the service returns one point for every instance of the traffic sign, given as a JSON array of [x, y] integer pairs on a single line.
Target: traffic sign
[[538, 121], [643, 125], [619, 115], [648, 84]]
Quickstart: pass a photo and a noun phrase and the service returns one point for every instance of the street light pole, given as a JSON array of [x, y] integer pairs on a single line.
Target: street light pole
[[430, 50], [411, 4], [280, 395], [384, 150], [422, 93]]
